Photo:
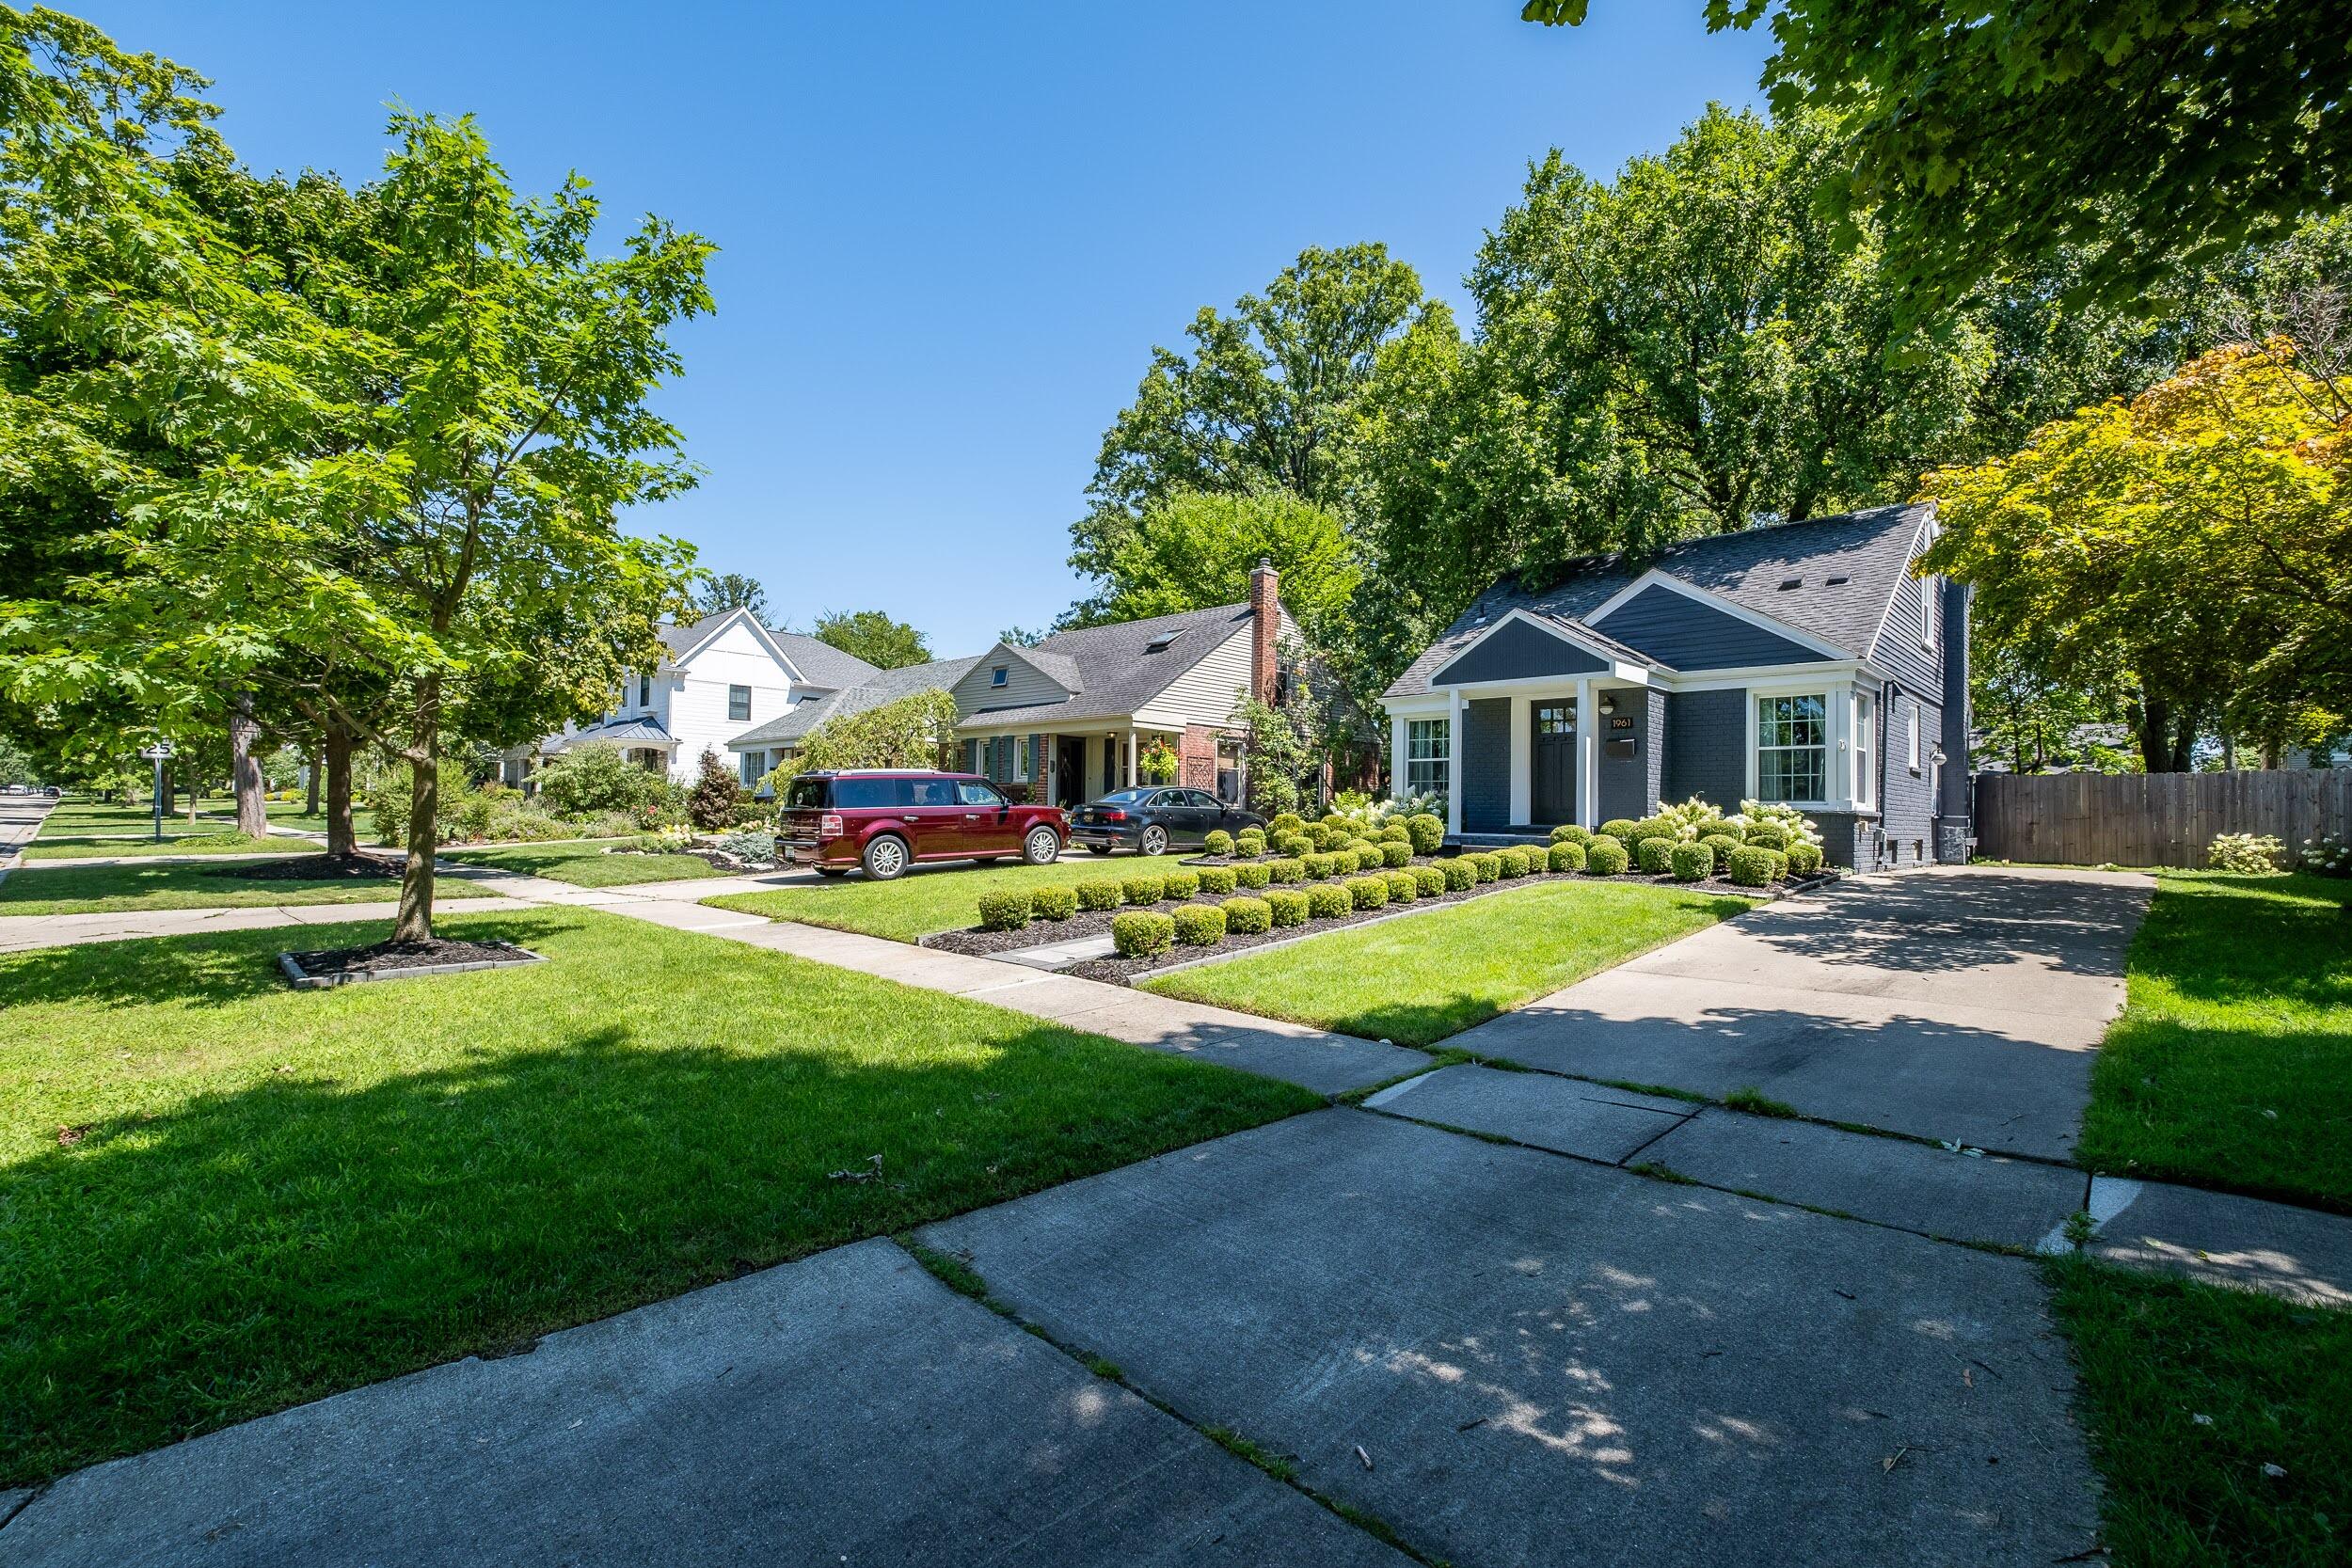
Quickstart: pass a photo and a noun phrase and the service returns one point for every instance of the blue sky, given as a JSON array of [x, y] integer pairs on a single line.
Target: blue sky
[[950, 233]]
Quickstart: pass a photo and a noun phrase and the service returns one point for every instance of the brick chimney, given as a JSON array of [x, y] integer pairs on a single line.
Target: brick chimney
[[1266, 616]]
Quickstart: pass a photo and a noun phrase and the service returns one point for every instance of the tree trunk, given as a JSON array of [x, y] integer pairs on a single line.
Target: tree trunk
[[170, 805], [2155, 738], [244, 769], [311, 788], [196, 793], [335, 759], [415, 921], [2184, 741]]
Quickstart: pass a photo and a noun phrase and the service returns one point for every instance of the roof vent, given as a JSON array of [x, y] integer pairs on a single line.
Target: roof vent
[[1159, 644], [1838, 581], [1787, 583]]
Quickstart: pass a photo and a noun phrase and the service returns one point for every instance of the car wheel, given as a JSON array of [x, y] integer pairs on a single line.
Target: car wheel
[[1041, 848], [885, 858], [1154, 840]]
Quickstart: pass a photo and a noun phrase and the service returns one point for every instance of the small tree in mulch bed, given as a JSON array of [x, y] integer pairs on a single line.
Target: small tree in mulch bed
[[711, 803]]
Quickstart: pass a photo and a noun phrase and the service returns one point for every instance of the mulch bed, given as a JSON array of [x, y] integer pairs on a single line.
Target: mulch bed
[[1121, 971], [385, 960], [312, 868]]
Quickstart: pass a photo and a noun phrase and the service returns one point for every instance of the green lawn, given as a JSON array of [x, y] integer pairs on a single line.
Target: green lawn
[[926, 899], [2232, 1065], [1420, 979], [2274, 1380], [78, 828], [222, 1196], [32, 890], [585, 864]]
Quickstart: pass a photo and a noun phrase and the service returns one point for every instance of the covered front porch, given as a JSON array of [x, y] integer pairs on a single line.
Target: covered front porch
[[1071, 767], [1523, 757]]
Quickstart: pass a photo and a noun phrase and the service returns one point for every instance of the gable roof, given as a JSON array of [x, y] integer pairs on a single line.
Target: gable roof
[[885, 685], [1870, 549], [1110, 671], [822, 664]]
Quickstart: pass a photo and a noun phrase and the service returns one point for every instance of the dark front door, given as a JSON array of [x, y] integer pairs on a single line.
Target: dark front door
[[1554, 761], [1069, 771]]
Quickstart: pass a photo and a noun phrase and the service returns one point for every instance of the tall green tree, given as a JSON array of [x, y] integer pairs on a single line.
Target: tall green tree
[[1262, 401], [874, 637], [1191, 550], [1987, 136], [726, 590]]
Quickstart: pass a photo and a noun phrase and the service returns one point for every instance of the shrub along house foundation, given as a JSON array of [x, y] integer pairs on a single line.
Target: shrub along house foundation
[[1800, 662]]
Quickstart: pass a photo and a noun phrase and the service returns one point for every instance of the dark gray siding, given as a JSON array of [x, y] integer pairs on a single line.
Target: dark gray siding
[[1955, 804], [1707, 748], [1846, 839], [1486, 765], [1516, 652], [1679, 630], [1907, 807], [1630, 786], [1899, 649]]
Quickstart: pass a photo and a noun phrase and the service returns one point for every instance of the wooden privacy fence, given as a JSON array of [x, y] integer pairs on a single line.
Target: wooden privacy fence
[[2151, 819]]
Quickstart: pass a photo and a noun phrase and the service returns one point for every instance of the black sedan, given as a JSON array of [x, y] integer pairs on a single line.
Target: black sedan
[[1155, 818]]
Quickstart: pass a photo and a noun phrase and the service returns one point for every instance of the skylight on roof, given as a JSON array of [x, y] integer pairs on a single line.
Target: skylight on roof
[[1787, 583], [1838, 581], [1160, 645]]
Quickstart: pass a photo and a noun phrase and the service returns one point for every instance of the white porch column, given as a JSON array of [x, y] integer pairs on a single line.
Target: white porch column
[[1397, 760], [1587, 757], [1134, 775], [1453, 740], [1523, 764]]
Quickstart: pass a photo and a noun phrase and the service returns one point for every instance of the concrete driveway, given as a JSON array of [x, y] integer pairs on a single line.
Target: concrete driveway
[[1961, 1005]]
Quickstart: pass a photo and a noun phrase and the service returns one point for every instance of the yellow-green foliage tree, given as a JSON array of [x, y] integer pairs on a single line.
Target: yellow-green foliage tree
[[915, 731], [2193, 543]]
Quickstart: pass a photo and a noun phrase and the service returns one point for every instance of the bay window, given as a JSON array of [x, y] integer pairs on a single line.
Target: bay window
[[1792, 748], [1428, 751]]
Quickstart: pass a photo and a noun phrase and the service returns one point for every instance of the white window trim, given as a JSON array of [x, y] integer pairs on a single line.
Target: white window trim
[[1914, 738], [1864, 751], [1440, 762], [1838, 775], [1927, 612]]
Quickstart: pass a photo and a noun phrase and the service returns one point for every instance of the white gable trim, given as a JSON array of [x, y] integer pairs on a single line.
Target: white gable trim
[[1619, 668], [767, 640], [1921, 537], [1659, 577]]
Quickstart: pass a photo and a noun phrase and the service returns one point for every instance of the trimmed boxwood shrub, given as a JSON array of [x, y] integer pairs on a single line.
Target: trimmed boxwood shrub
[[1144, 890], [1804, 858], [1396, 854], [1252, 876], [1722, 843], [1486, 863], [1780, 864], [1248, 917], [1511, 863], [1200, 925], [1606, 857], [1328, 901], [1320, 866], [1100, 893], [1368, 893], [1691, 863], [1751, 866], [1654, 855], [1289, 905], [1250, 842], [1567, 856], [1429, 882], [1767, 835], [1568, 833], [1054, 903], [1290, 868], [1624, 829], [1402, 887], [1141, 933], [1458, 873], [1004, 911], [1732, 828], [1218, 842], [1426, 830], [1293, 846], [1216, 881], [1326, 835], [1285, 822], [1180, 884]]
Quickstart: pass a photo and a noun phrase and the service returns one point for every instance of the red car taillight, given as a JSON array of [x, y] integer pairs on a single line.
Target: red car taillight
[[829, 826], [1113, 815]]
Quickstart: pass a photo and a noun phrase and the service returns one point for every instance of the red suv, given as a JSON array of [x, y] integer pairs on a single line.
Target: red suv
[[885, 820]]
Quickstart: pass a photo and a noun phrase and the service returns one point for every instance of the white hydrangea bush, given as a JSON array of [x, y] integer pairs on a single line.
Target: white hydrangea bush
[[1791, 821], [2246, 854], [2329, 855]]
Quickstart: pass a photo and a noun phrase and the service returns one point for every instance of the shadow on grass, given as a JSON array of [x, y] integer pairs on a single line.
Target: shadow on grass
[[266, 1243]]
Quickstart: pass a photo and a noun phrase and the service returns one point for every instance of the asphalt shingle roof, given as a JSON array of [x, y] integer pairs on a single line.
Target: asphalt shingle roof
[[820, 664], [1114, 675], [1870, 549], [886, 686]]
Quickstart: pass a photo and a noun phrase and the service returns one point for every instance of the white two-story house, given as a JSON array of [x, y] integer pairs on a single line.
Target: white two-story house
[[725, 675]]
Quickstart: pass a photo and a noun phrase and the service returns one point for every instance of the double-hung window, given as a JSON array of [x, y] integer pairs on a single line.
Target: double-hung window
[[1866, 734], [1914, 740], [645, 691], [1429, 749], [754, 767], [738, 703], [1792, 748]]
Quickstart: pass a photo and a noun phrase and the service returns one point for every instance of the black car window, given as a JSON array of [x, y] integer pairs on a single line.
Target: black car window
[[978, 793], [806, 795], [1202, 797], [931, 792], [1126, 797], [1168, 798], [868, 794]]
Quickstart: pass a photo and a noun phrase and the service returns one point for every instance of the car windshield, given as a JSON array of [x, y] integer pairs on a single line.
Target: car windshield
[[1126, 796]]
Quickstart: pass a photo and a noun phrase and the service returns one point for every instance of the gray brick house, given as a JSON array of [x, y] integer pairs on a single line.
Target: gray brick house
[[1801, 661]]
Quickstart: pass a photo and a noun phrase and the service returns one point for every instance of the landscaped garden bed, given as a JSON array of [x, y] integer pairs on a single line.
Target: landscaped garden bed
[[322, 969]]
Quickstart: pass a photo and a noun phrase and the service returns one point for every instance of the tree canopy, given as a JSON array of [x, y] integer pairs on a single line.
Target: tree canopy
[[1988, 136], [874, 637], [726, 590], [1192, 549]]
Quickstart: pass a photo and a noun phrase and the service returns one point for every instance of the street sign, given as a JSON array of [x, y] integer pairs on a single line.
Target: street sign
[[158, 752]]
